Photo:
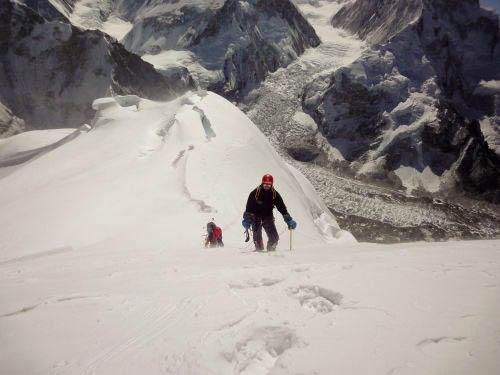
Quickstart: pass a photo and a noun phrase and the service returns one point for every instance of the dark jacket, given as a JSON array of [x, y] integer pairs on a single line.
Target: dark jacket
[[261, 202]]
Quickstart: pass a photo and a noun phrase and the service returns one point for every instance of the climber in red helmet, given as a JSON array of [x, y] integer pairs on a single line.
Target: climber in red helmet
[[259, 213]]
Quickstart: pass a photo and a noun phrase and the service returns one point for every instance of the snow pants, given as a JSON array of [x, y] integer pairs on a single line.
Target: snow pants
[[270, 228], [214, 242]]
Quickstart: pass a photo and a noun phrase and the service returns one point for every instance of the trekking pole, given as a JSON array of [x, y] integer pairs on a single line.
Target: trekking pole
[[290, 239]]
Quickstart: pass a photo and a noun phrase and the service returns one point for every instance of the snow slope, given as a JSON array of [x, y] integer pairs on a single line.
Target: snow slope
[[28, 141], [102, 268], [151, 177], [399, 309], [22, 147], [87, 16]]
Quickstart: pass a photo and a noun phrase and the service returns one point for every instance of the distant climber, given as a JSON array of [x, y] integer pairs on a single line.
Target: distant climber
[[259, 213], [214, 235]]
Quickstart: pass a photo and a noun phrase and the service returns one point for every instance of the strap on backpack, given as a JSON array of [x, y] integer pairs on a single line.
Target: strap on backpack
[[257, 193]]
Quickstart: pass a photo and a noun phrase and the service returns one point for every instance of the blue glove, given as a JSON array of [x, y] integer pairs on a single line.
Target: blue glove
[[290, 222], [246, 224]]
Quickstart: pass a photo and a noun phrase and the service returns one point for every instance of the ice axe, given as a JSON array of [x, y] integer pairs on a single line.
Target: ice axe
[[290, 229]]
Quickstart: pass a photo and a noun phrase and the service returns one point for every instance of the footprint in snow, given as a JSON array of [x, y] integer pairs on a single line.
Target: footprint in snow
[[256, 284], [316, 298], [260, 350], [437, 345], [441, 340]]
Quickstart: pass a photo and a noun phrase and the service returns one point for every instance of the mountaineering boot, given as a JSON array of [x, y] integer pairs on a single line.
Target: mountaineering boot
[[259, 245], [271, 246]]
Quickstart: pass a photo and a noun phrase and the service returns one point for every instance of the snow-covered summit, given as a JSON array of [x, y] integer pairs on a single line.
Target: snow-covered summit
[[152, 174]]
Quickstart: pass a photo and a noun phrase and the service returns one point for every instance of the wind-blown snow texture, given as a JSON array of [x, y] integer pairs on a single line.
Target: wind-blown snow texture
[[103, 309], [102, 268]]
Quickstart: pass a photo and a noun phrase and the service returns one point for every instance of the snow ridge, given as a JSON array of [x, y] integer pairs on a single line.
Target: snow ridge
[[151, 162]]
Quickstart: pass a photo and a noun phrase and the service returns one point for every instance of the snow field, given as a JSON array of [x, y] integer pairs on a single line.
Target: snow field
[[102, 268], [35, 139], [152, 174], [405, 309]]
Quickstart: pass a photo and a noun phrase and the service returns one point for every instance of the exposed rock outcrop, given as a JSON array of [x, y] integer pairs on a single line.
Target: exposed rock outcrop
[[237, 43], [407, 112], [51, 71]]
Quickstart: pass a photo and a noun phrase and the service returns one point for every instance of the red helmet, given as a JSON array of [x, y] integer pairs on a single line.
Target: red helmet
[[267, 179]]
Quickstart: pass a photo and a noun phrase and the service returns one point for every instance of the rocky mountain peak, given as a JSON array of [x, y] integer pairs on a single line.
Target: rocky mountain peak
[[52, 71], [231, 46], [416, 96], [377, 20]]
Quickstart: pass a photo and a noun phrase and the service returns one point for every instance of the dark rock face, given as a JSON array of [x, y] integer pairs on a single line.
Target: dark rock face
[[243, 40], [377, 20], [305, 154], [165, 31], [355, 110], [133, 76], [479, 167], [47, 10], [51, 71], [247, 64], [9, 124], [413, 102], [464, 224], [462, 42]]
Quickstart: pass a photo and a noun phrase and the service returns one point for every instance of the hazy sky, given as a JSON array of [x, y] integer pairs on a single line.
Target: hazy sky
[[492, 4]]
